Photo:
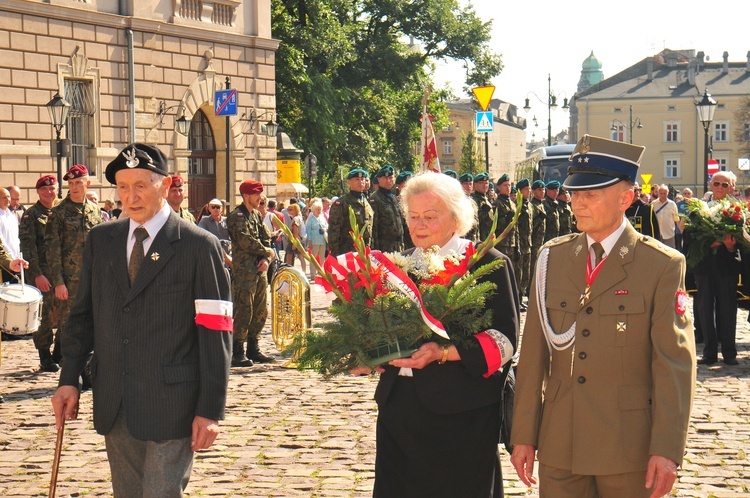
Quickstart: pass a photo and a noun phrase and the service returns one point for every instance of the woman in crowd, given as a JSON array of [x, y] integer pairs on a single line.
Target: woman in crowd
[[296, 225], [317, 228], [438, 421]]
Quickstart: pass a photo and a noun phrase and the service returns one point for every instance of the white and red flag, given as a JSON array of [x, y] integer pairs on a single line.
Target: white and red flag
[[430, 159]]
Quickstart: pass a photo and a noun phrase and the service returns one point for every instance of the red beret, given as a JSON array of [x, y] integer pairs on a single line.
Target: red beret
[[46, 181], [77, 171], [251, 187], [177, 181]]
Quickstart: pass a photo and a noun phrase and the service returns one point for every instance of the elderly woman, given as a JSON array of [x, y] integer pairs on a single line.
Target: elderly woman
[[438, 420], [297, 226], [317, 227]]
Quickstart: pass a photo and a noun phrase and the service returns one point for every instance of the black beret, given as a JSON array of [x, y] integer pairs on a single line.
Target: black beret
[[137, 155]]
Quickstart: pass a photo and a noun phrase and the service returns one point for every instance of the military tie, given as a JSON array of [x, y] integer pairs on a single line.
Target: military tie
[[136, 257], [598, 252]]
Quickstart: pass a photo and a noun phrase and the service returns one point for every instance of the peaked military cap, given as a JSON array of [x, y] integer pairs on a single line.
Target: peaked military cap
[[137, 156], [599, 162], [356, 173], [466, 177], [451, 173], [384, 171], [522, 183]]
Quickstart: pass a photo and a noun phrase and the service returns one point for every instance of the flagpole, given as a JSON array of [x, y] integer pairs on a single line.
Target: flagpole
[[425, 117]]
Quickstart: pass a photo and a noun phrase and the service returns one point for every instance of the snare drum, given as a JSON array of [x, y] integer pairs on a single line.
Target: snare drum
[[20, 309]]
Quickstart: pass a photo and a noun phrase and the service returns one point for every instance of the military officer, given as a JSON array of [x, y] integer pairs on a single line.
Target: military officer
[[387, 220], [68, 224], [552, 229], [607, 368], [485, 212], [339, 240], [565, 213], [523, 265], [506, 209], [175, 197], [538, 221], [251, 254], [31, 233]]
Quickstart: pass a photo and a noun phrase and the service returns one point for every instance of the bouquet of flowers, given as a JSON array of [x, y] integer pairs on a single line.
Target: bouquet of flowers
[[387, 303], [708, 224]]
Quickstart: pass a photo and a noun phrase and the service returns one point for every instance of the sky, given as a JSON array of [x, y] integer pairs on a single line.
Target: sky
[[545, 37]]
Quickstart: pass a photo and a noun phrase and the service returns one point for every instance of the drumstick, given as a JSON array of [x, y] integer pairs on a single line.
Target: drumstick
[[56, 460], [23, 289]]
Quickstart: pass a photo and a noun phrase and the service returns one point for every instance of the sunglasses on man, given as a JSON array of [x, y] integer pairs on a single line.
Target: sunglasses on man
[[720, 184]]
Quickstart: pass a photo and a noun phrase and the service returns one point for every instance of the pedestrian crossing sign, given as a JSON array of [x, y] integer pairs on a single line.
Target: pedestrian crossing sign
[[484, 122]]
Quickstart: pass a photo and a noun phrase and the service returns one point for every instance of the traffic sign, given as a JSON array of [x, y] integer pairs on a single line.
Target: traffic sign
[[225, 102], [646, 177], [484, 122], [713, 166], [484, 95]]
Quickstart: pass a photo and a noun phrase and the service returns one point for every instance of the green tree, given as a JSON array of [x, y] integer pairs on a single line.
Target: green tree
[[351, 75], [471, 159]]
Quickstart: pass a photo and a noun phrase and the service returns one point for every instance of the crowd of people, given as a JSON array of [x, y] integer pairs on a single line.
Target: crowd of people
[[605, 377]]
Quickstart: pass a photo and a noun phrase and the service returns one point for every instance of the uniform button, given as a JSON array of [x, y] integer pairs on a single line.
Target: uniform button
[[589, 310], [581, 379], [125, 341], [585, 332], [126, 309], [582, 355], [563, 304], [621, 308]]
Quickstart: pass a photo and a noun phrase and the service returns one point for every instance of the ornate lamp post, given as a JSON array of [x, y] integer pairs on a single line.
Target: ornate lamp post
[[637, 123], [58, 109], [706, 108], [551, 105]]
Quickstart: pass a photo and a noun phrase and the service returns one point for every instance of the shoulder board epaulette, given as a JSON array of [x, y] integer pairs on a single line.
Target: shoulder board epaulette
[[656, 244], [561, 240]]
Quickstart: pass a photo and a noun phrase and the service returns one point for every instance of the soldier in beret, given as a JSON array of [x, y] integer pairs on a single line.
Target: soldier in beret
[[175, 197], [451, 173], [154, 307], [401, 180], [68, 225], [553, 216], [388, 219], [506, 209], [538, 221], [31, 233], [607, 369], [523, 265], [252, 252], [467, 183], [485, 212], [339, 240], [564, 211]]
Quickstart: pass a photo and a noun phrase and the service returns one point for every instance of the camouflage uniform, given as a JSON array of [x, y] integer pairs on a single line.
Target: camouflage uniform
[[565, 214], [68, 224], [523, 266], [552, 229], [186, 215], [339, 240], [32, 232], [538, 229], [387, 222], [485, 214], [506, 209], [251, 242]]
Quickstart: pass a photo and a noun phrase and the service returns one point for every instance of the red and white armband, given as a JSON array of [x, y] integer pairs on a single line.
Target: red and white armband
[[214, 314], [497, 348]]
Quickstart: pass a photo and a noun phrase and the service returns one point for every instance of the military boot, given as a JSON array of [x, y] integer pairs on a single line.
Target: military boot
[[238, 356], [46, 362], [254, 354]]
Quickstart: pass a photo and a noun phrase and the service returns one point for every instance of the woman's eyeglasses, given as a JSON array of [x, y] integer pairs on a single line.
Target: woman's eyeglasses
[[215, 207], [720, 184]]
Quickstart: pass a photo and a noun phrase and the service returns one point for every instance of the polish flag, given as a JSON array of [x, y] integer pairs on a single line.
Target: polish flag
[[214, 314]]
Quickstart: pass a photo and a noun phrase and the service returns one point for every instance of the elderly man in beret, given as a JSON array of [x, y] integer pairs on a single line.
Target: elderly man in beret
[[176, 196], [32, 231], [154, 307], [552, 229], [252, 252], [607, 368], [68, 225], [339, 240], [388, 220]]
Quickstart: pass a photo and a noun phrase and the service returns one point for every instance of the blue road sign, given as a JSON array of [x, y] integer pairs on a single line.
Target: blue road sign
[[225, 102], [484, 121]]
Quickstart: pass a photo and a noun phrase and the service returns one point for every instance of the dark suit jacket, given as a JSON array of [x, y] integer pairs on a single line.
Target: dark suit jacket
[[149, 355], [459, 386]]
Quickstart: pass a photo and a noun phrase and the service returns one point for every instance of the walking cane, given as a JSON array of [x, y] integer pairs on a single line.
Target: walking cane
[[56, 461]]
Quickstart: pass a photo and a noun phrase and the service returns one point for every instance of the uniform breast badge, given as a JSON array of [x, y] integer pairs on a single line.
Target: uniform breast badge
[[579, 248], [681, 302], [621, 326], [155, 256], [624, 251]]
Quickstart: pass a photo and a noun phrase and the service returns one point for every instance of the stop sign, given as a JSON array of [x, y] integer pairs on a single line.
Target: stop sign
[[713, 166]]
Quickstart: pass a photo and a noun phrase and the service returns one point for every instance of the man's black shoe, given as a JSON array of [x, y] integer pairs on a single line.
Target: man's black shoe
[[259, 357], [707, 361], [731, 361], [46, 363], [240, 361]]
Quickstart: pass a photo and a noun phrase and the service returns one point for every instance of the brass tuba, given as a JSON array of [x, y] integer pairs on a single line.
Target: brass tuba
[[290, 308]]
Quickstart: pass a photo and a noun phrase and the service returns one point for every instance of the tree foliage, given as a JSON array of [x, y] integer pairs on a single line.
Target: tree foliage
[[351, 75]]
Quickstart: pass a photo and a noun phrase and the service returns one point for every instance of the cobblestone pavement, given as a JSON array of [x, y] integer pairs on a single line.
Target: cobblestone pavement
[[290, 433]]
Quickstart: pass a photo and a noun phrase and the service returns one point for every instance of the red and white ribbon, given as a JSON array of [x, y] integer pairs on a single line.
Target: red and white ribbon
[[214, 314]]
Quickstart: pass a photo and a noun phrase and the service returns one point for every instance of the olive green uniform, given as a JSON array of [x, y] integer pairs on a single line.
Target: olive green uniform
[[387, 222], [538, 229], [31, 232], [506, 209], [339, 240], [186, 215], [68, 224], [523, 265], [552, 229], [251, 243], [485, 214], [565, 213]]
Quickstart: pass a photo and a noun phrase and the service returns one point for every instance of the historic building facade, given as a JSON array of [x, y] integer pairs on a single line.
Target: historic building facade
[[129, 70]]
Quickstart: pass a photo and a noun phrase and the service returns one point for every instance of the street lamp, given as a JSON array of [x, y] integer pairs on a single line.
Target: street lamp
[[182, 123], [706, 108], [311, 161], [58, 109], [551, 105], [271, 127], [637, 123]]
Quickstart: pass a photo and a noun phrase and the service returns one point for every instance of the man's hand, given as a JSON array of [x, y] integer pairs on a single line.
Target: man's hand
[[663, 471], [205, 431], [65, 404], [16, 265], [42, 283], [426, 354], [61, 292], [523, 461], [262, 265]]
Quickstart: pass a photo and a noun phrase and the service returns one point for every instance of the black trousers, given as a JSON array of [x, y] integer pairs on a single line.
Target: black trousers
[[716, 307]]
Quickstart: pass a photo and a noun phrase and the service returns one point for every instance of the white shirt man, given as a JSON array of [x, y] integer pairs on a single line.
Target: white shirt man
[[9, 226], [666, 213]]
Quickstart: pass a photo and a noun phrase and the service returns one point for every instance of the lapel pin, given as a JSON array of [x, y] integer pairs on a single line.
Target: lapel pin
[[621, 326], [579, 247], [624, 251], [155, 256]]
